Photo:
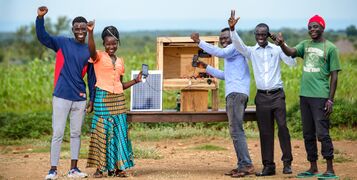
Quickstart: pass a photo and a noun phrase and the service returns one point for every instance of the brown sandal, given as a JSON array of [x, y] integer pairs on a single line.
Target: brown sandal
[[231, 172], [121, 173], [239, 174], [98, 174]]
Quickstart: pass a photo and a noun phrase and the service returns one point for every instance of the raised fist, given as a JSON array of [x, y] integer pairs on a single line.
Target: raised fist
[[90, 25], [41, 11], [195, 37]]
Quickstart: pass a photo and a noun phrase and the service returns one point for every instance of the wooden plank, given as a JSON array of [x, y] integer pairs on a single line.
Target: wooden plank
[[215, 99], [159, 55], [173, 116], [187, 39], [177, 84], [194, 100], [180, 44]]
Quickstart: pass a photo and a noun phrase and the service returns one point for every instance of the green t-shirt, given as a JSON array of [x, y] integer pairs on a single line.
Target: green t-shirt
[[319, 60]]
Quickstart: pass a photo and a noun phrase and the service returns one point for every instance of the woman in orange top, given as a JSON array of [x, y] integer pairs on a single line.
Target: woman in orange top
[[110, 148]]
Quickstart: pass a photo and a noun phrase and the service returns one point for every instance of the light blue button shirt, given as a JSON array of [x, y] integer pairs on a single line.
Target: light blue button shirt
[[265, 62], [236, 70]]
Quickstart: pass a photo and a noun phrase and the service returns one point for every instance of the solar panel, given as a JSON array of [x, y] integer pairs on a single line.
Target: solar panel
[[147, 96]]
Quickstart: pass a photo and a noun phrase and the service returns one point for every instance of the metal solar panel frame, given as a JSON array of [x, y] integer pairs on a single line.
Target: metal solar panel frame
[[151, 86]]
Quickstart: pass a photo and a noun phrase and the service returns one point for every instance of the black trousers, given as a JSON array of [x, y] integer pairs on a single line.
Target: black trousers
[[269, 107], [315, 123]]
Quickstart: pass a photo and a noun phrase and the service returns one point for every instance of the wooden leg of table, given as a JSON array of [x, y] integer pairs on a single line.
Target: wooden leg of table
[[215, 99]]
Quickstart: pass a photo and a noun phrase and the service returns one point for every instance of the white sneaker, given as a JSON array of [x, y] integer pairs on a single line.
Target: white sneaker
[[52, 174], [76, 173]]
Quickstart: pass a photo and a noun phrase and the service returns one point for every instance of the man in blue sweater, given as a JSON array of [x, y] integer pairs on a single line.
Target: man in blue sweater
[[69, 96], [237, 79]]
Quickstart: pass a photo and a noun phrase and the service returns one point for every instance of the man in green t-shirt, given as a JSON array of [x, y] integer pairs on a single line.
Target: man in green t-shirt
[[321, 60]]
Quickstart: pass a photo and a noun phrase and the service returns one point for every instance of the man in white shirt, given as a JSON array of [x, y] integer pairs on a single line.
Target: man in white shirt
[[270, 97]]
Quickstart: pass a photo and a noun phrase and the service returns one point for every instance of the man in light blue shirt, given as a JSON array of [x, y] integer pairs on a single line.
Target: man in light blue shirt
[[237, 79], [270, 97]]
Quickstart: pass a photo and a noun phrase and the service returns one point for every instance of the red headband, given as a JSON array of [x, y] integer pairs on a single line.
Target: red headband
[[318, 19]]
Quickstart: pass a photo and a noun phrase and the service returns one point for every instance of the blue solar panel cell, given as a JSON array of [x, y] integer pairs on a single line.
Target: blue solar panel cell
[[147, 95]]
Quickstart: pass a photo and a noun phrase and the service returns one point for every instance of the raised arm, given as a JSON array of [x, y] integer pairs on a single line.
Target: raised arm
[[290, 61], [236, 40], [279, 40], [211, 49], [42, 35], [91, 43]]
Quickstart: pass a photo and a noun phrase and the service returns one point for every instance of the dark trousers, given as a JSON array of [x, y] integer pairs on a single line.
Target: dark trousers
[[315, 123], [270, 107]]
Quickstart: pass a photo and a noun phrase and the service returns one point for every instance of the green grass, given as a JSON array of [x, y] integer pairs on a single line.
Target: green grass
[[155, 134], [141, 152], [343, 133], [25, 141], [26, 96], [339, 157], [26, 88], [185, 131], [209, 147]]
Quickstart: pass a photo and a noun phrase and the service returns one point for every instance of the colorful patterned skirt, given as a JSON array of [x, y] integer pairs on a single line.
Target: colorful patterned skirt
[[110, 147]]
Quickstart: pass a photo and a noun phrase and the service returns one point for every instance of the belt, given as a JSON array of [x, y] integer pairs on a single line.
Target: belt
[[272, 91]]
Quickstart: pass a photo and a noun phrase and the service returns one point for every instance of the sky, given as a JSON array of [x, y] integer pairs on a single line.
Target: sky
[[141, 15]]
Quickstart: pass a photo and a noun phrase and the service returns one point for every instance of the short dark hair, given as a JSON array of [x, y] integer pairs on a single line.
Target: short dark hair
[[262, 25], [79, 19], [225, 29], [111, 31]]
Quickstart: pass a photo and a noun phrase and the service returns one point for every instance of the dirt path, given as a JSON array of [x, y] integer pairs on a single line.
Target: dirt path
[[180, 161]]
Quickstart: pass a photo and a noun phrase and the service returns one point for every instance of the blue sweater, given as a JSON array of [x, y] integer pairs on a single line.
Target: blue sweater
[[71, 65]]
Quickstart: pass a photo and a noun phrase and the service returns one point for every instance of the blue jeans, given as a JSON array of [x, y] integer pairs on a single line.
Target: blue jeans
[[235, 107]]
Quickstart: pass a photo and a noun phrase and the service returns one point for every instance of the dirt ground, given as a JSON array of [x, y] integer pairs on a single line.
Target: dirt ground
[[180, 161]]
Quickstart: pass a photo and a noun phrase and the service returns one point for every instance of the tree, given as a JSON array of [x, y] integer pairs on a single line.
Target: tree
[[351, 31], [27, 46]]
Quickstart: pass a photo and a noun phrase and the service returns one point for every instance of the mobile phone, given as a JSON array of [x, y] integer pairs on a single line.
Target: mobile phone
[[203, 54], [195, 60], [144, 70], [271, 36]]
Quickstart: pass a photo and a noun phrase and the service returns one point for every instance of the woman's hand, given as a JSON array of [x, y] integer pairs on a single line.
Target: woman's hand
[[90, 26], [138, 78], [90, 107]]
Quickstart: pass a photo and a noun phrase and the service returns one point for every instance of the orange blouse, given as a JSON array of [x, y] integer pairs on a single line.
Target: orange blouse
[[108, 76]]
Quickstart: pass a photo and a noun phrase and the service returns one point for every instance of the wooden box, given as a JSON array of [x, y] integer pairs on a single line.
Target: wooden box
[[194, 100], [174, 58]]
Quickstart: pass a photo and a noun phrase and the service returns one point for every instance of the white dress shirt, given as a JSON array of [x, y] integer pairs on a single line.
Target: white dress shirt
[[265, 62]]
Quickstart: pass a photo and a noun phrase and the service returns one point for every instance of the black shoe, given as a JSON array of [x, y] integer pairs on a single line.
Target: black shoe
[[287, 169], [267, 171]]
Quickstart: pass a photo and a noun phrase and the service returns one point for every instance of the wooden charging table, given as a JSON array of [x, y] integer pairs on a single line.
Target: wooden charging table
[[174, 116]]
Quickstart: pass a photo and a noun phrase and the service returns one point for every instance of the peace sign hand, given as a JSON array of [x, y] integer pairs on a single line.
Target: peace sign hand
[[232, 21], [41, 11]]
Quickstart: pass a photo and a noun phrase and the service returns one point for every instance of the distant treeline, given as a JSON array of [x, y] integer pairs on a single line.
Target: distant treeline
[[22, 46]]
